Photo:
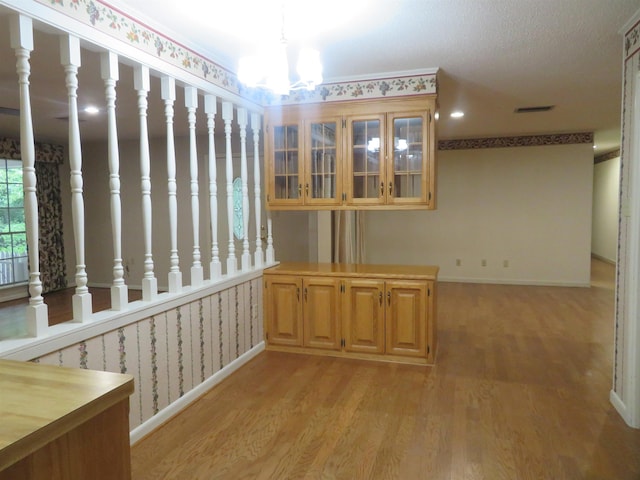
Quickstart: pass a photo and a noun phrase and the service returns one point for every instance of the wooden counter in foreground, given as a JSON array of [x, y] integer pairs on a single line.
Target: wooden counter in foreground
[[63, 423]]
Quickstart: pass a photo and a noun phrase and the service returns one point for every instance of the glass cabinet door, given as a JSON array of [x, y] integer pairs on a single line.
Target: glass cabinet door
[[287, 184], [322, 183], [406, 173], [366, 154]]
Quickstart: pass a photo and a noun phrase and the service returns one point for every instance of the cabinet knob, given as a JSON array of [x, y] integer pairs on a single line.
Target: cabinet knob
[[390, 188], [389, 298], [298, 293], [381, 189], [305, 294], [380, 298], [306, 189]]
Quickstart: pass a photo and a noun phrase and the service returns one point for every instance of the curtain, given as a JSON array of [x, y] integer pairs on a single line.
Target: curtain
[[53, 270], [348, 236]]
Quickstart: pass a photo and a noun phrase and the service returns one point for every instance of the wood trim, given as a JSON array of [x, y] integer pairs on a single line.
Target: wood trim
[[345, 270], [358, 356]]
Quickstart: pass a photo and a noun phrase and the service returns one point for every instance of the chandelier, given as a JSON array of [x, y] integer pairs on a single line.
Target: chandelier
[[270, 69]]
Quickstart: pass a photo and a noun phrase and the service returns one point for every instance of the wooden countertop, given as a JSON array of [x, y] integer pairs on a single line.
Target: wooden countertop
[[357, 270], [39, 403]]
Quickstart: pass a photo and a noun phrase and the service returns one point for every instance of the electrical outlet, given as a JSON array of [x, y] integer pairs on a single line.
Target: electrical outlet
[[505, 263], [458, 262], [484, 262]]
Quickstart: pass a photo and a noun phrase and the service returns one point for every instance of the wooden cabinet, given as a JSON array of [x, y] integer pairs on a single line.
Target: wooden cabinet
[[284, 310], [365, 311], [321, 313], [302, 312], [364, 316], [406, 313], [356, 154], [304, 154]]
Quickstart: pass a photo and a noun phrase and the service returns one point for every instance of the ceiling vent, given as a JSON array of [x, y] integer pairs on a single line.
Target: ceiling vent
[[542, 108], [14, 112]]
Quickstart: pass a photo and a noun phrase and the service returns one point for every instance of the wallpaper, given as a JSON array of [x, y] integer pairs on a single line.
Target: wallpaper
[[170, 353]]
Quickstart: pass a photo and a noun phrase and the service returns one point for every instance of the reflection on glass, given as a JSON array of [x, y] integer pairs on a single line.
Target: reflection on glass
[[365, 154], [285, 161], [407, 157], [322, 155]]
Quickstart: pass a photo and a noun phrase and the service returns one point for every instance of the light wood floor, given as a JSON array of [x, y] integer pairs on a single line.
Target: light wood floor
[[520, 391], [59, 309]]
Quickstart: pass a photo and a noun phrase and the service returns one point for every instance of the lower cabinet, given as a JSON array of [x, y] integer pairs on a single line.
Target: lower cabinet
[[349, 315], [321, 312]]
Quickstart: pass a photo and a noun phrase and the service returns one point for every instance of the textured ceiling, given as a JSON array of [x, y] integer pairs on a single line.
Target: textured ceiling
[[494, 55]]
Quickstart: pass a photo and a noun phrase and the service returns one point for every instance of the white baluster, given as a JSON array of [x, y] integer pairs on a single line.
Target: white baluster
[[271, 254], [70, 57], [258, 257], [191, 102], [141, 84], [210, 108], [22, 42], [242, 123], [169, 97], [227, 116], [110, 75]]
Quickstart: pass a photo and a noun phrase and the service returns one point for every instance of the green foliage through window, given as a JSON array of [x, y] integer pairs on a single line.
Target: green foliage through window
[[13, 237]]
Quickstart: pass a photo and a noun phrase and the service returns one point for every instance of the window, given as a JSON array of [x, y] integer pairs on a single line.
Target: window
[[13, 237]]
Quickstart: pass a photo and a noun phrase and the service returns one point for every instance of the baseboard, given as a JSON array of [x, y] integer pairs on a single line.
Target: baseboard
[[498, 281], [603, 259], [192, 395], [622, 409]]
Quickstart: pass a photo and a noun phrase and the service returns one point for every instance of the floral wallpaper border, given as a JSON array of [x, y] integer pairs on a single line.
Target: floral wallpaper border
[[607, 156], [45, 152], [517, 141], [367, 89], [632, 41], [121, 26]]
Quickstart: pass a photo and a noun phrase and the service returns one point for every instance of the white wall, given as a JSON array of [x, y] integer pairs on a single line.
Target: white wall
[[530, 206], [606, 189], [295, 236]]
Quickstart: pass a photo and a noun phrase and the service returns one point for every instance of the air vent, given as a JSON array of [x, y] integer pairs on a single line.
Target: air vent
[[542, 108], [14, 112]]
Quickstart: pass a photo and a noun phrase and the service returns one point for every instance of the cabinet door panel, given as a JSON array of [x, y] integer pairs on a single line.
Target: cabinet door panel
[[406, 318], [323, 149], [284, 184], [284, 310], [321, 313], [363, 316], [365, 159], [407, 172]]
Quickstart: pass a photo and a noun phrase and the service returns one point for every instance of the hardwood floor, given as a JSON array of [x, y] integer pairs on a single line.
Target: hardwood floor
[[59, 307], [520, 391]]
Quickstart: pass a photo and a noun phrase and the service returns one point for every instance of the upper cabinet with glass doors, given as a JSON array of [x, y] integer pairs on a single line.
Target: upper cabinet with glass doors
[[365, 154], [303, 160]]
